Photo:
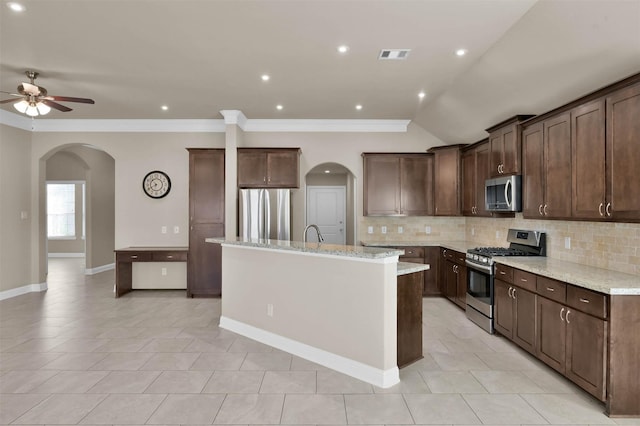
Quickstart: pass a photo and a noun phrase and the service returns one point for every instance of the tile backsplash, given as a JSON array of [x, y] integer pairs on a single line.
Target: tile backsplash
[[614, 246]]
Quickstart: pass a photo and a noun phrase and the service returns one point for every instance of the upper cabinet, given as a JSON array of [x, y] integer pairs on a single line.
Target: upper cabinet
[[268, 167], [447, 178], [398, 184], [505, 147], [475, 171]]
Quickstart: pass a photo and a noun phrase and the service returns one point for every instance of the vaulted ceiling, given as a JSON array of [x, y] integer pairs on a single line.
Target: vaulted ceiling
[[201, 56]]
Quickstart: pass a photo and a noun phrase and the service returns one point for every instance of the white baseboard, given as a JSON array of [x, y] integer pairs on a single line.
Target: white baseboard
[[366, 373], [29, 288], [65, 254], [97, 270]]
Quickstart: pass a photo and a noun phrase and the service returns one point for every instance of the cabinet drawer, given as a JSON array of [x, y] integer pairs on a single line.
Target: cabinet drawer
[[587, 301], [552, 289], [180, 256], [504, 273], [525, 280], [134, 257], [412, 252]]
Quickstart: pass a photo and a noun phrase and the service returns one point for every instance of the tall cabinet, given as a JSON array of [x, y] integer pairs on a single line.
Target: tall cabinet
[[206, 219]]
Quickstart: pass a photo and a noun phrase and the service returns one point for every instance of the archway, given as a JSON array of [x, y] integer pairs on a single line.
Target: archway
[[331, 203]]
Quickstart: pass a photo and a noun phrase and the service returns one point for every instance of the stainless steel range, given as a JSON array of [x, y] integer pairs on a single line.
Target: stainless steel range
[[480, 272]]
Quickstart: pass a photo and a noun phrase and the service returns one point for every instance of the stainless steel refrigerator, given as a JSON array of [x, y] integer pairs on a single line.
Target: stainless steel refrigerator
[[265, 214]]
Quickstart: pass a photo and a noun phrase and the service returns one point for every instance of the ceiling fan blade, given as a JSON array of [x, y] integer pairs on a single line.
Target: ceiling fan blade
[[7, 101], [56, 105], [70, 99], [29, 88]]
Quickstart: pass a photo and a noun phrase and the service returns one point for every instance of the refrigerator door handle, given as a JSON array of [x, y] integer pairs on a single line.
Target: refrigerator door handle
[[267, 215], [260, 215]]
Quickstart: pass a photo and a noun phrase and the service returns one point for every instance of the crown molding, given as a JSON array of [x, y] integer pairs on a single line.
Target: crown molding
[[202, 126]]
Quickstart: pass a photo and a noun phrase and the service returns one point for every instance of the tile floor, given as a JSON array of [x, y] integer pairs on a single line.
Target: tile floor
[[77, 355]]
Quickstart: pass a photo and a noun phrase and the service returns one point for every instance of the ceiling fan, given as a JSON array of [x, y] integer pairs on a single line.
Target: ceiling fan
[[33, 100]]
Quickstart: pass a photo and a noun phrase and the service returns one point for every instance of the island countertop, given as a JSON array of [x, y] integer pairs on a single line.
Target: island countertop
[[312, 248]]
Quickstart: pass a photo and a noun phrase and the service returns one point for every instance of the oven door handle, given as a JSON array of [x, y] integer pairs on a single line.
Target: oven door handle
[[484, 268]]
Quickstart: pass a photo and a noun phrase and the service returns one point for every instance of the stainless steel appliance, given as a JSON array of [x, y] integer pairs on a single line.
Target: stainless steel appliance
[[265, 214], [503, 194], [481, 270]]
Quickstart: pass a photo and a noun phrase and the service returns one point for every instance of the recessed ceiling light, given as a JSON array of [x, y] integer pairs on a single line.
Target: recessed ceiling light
[[343, 48], [327, 171], [16, 7], [279, 107], [461, 52], [358, 107], [265, 77], [421, 95], [164, 107]]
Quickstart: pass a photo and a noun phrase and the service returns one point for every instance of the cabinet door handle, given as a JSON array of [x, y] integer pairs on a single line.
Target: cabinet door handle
[[444, 253], [608, 209], [600, 209], [524, 280], [509, 291], [169, 256], [567, 316], [503, 273], [584, 300], [551, 289], [545, 210], [540, 209], [133, 256], [514, 293], [561, 312], [498, 168], [264, 179]]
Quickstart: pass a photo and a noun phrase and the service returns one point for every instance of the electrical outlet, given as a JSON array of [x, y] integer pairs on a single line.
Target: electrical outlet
[[24, 215], [497, 235], [427, 229], [473, 231], [164, 272], [567, 243], [269, 310], [163, 229], [176, 229], [383, 229], [370, 230], [400, 229]]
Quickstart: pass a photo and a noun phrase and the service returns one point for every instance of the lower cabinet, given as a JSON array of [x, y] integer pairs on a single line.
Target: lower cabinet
[[515, 312], [455, 278], [409, 331], [431, 257]]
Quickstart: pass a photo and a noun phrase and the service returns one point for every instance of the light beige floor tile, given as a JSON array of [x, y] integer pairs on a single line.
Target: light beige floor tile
[[441, 408], [120, 333], [242, 344], [75, 361], [122, 361], [551, 381], [209, 345], [250, 409], [510, 361], [13, 405], [159, 332], [314, 409], [71, 382], [506, 382], [427, 363], [180, 382], [61, 409], [219, 361], [123, 345], [23, 381], [125, 382], [457, 344], [377, 409], [79, 345], [503, 408], [410, 382], [301, 364], [200, 332], [124, 409], [187, 409], [452, 382], [460, 361], [568, 408], [39, 345], [234, 382], [431, 346], [26, 361], [297, 382], [170, 361], [166, 345], [333, 382], [266, 361]]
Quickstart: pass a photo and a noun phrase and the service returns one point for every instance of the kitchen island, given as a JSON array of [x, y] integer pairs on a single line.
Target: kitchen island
[[331, 304]]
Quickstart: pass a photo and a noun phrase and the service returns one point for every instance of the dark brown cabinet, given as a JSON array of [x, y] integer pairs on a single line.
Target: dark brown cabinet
[[454, 277], [546, 147], [398, 184], [206, 219], [268, 167], [447, 179], [409, 322], [429, 256], [505, 146], [475, 171]]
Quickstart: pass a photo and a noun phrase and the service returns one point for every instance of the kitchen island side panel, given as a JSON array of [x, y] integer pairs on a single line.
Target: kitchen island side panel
[[344, 306]]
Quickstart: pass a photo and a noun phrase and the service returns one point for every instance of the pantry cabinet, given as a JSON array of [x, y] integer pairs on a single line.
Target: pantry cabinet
[[475, 171], [268, 167], [398, 184], [447, 178]]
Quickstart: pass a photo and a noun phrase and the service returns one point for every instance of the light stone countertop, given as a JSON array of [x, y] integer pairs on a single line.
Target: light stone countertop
[[315, 248], [405, 268], [461, 246]]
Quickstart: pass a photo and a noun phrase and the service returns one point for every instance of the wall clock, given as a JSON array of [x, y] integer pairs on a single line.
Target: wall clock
[[156, 184]]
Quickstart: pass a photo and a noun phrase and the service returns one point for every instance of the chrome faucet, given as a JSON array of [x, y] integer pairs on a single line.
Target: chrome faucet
[[320, 239]]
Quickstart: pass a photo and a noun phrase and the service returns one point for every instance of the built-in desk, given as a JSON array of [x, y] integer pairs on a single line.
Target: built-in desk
[[126, 256]]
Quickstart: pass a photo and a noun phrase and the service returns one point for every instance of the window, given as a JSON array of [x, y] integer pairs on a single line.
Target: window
[[61, 210]]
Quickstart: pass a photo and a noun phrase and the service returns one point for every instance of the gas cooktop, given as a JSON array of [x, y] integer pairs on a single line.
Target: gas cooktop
[[521, 243]]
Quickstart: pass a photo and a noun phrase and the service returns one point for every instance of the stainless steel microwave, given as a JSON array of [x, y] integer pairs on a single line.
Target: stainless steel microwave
[[503, 194]]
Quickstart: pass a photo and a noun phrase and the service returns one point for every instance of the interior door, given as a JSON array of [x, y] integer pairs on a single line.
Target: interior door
[[326, 207]]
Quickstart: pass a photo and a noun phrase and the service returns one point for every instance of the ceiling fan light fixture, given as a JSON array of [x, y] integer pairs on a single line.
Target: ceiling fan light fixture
[[43, 109], [32, 111], [21, 106]]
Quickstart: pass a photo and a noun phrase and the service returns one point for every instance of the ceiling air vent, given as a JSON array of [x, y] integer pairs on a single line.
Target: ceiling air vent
[[393, 54]]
